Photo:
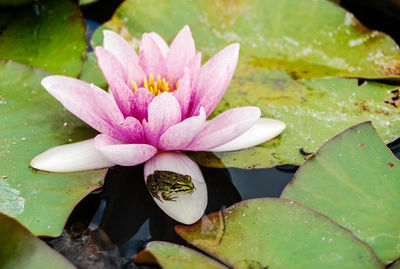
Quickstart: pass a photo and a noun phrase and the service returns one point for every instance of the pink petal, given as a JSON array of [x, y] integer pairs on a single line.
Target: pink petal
[[181, 52], [187, 207], [225, 127], [123, 154], [88, 102], [163, 112], [187, 88], [131, 131], [123, 95], [215, 76], [140, 103], [110, 66], [118, 46], [179, 136], [125, 54], [184, 93], [160, 43], [151, 58]]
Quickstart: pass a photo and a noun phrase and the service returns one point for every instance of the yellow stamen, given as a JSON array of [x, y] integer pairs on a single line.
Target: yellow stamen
[[155, 87], [135, 86], [177, 84]]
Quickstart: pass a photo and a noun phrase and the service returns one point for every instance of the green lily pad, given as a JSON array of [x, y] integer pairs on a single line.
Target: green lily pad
[[305, 37], [173, 256], [47, 34], [92, 73], [278, 234], [31, 122], [21, 249], [355, 180], [313, 110]]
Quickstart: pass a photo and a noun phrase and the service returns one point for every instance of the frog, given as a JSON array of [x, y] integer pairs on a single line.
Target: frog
[[168, 182]]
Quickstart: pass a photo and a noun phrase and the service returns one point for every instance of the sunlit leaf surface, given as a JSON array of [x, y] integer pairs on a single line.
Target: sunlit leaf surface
[[32, 121], [47, 34], [277, 233], [314, 111], [21, 249], [355, 180], [309, 38]]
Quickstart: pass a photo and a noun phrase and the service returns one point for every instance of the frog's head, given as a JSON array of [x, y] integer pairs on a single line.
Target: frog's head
[[183, 183]]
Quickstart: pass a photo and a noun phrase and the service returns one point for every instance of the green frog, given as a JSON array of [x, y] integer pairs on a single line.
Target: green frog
[[168, 182]]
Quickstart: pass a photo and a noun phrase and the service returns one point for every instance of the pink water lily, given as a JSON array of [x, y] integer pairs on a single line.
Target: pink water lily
[[158, 104]]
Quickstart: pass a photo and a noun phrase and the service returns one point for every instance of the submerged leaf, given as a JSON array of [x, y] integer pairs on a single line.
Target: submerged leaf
[[355, 180], [32, 121]]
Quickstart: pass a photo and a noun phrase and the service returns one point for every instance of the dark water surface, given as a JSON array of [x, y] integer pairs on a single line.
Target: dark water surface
[[110, 226]]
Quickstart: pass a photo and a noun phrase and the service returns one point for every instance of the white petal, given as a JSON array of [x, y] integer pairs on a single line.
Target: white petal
[[161, 43], [187, 208], [263, 130], [74, 157]]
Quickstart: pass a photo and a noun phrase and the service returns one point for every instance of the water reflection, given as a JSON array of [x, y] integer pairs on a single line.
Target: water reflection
[[129, 204], [128, 215]]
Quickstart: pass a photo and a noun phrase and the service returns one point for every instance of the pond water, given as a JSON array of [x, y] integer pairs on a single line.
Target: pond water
[[111, 225]]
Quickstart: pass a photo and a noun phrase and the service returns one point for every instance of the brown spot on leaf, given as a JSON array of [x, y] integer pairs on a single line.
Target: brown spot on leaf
[[390, 164], [302, 152], [395, 99], [362, 145]]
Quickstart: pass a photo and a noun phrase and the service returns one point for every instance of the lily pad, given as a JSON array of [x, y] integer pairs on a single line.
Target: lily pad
[[47, 34], [31, 122], [305, 37], [91, 72], [313, 110], [278, 234], [21, 249], [173, 256], [355, 180]]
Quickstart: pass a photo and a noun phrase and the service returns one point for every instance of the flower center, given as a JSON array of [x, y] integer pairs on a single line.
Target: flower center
[[156, 86]]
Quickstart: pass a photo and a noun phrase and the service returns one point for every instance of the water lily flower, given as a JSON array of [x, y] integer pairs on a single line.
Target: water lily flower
[[158, 104]]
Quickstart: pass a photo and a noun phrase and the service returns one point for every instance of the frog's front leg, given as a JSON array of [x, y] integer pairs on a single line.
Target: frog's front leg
[[167, 197], [155, 195]]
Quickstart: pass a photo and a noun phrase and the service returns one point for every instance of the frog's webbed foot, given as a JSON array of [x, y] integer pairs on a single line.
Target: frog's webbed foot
[[168, 197]]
